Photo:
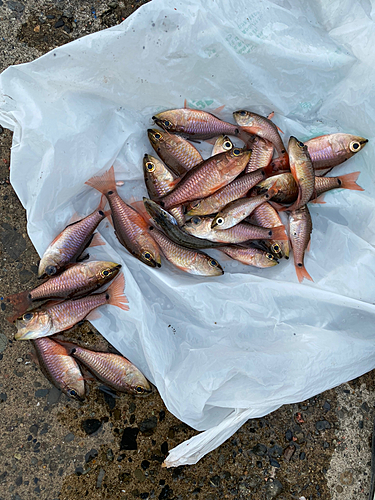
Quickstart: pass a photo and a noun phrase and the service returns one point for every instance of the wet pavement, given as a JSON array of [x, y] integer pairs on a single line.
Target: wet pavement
[[112, 448]]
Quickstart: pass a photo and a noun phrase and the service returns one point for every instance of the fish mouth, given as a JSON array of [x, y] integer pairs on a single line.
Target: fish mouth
[[365, 141]]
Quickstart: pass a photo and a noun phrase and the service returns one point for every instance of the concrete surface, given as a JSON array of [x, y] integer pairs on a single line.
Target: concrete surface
[[318, 449]]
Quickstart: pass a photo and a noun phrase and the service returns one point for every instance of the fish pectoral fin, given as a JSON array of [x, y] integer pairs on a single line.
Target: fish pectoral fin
[[319, 199], [96, 241], [219, 109], [95, 314]]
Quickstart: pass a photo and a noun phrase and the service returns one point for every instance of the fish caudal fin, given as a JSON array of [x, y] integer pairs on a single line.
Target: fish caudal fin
[[348, 181], [302, 273], [103, 183], [278, 233], [20, 302], [116, 293], [103, 203]]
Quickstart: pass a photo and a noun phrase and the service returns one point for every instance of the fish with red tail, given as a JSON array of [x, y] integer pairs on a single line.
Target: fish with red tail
[[71, 242], [207, 177], [114, 370], [194, 123], [175, 151], [251, 256], [131, 229], [253, 123], [232, 191], [76, 281], [60, 368], [55, 317], [188, 260], [347, 181], [300, 228]]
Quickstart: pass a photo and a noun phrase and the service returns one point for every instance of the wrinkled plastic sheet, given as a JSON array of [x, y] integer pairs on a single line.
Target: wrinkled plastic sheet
[[221, 350]]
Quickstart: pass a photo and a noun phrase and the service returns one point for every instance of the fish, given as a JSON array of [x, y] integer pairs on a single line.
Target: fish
[[201, 228], [208, 177], [223, 143], [328, 151], [300, 228], [114, 370], [232, 191], [303, 172], [130, 228], [250, 256], [60, 368], [175, 151], [264, 128], [266, 216], [75, 281], [238, 210], [261, 154], [169, 225], [194, 123], [160, 181], [188, 260], [54, 317], [71, 242]]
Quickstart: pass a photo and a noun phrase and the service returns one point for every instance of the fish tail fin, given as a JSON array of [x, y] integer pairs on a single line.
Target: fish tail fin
[[103, 183], [302, 273], [20, 303], [278, 233], [116, 293], [348, 181]]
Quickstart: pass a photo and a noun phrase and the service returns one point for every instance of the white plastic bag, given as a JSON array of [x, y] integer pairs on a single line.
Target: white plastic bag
[[235, 347]]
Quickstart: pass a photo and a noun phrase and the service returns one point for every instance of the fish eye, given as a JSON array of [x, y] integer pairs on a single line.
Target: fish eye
[[139, 389], [242, 113], [196, 220], [227, 145], [219, 221], [276, 248], [269, 256], [72, 393], [28, 316], [196, 205], [147, 255], [354, 146], [300, 144], [150, 166], [213, 263], [236, 152], [50, 270], [157, 135], [167, 123], [106, 272]]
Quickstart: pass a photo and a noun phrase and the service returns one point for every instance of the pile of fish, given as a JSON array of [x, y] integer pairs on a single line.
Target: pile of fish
[[231, 201], [67, 298]]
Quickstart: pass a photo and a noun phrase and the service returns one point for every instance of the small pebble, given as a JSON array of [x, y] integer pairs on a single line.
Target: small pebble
[[288, 435], [302, 455], [148, 424], [327, 406], [69, 437], [129, 439], [100, 478], [91, 425], [322, 425], [59, 23]]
